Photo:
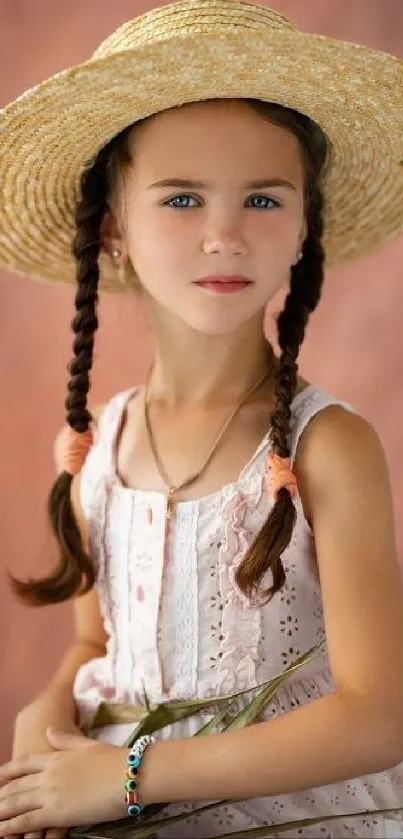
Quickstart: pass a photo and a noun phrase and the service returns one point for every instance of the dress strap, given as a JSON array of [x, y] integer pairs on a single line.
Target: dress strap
[[306, 405], [100, 460]]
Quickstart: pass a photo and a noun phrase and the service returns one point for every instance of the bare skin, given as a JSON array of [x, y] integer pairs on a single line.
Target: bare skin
[[184, 438]]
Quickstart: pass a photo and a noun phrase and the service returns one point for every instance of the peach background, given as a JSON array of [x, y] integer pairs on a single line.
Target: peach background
[[354, 345]]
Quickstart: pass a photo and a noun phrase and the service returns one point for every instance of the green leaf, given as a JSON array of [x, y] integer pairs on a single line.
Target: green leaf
[[263, 832], [215, 721], [109, 713], [256, 706]]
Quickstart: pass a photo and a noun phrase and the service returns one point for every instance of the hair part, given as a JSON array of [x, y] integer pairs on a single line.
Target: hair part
[[100, 182]]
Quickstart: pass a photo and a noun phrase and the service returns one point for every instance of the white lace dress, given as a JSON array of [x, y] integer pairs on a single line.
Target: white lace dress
[[179, 627]]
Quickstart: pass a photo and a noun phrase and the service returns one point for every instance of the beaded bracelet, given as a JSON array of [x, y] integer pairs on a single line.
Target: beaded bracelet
[[134, 759]]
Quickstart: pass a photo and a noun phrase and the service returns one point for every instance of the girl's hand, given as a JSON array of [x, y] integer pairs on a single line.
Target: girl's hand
[[30, 735], [81, 783]]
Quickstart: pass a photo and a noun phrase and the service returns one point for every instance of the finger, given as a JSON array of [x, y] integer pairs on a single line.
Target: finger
[[27, 822], [28, 782], [38, 834], [23, 766], [56, 833], [16, 805]]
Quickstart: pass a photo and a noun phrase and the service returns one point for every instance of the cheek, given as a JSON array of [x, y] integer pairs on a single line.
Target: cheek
[[280, 239], [159, 239]]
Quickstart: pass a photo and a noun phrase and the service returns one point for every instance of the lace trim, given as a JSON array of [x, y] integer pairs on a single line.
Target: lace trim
[[186, 604], [241, 619]]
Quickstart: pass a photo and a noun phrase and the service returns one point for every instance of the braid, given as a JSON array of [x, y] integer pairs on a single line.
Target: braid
[[75, 569], [302, 299]]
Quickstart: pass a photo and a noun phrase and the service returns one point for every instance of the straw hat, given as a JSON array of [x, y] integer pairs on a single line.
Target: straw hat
[[190, 51]]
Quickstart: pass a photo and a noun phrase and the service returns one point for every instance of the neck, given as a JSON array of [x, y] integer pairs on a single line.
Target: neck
[[209, 371]]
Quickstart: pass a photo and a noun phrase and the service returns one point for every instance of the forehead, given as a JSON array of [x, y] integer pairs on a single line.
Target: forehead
[[219, 135]]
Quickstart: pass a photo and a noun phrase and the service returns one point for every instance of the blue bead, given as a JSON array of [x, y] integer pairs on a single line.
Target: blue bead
[[133, 809], [134, 761]]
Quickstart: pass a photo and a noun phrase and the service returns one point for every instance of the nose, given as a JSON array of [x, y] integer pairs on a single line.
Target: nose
[[225, 238]]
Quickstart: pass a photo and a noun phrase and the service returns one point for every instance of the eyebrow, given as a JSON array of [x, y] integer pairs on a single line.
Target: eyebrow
[[190, 184]]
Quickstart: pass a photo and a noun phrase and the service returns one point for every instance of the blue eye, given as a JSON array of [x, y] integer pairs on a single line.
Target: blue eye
[[180, 198], [264, 198]]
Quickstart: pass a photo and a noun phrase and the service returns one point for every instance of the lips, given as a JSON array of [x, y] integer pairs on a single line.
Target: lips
[[223, 286], [224, 279]]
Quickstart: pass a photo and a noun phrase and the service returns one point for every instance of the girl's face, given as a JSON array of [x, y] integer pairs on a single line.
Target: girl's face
[[215, 215]]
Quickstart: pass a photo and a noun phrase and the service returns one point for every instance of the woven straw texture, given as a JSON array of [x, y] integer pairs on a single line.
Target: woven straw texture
[[191, 51]]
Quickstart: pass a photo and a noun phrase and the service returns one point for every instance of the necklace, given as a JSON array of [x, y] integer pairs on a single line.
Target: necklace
[[173, 490]]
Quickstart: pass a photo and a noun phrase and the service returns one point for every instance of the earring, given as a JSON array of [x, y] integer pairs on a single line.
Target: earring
[[298, 258], [116, 253]]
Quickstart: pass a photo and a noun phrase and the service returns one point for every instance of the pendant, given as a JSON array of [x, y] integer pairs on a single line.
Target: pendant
[[170, 504]]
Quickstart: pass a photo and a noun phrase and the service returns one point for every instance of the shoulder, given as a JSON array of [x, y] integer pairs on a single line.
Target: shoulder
[[339, 452]]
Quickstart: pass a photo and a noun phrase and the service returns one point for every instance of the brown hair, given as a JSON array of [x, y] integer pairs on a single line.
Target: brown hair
[[75, 572]]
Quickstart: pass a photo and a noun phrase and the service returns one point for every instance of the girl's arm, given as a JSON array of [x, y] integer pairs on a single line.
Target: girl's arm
[[358, 729], [55, 705]]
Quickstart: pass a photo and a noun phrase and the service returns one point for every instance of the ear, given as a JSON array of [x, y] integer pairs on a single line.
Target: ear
[[110, 233]]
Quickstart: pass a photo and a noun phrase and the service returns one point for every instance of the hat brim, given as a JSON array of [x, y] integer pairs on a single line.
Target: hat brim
[[354, 93]]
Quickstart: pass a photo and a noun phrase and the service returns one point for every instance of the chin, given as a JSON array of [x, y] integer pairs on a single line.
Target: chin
[[216, 327]]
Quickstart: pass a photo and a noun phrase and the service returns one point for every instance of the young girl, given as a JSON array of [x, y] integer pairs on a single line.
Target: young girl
[[215, 523]]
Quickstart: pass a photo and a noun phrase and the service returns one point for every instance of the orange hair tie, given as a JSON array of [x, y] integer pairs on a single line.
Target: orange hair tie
[[280, 475], [75, 446]]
